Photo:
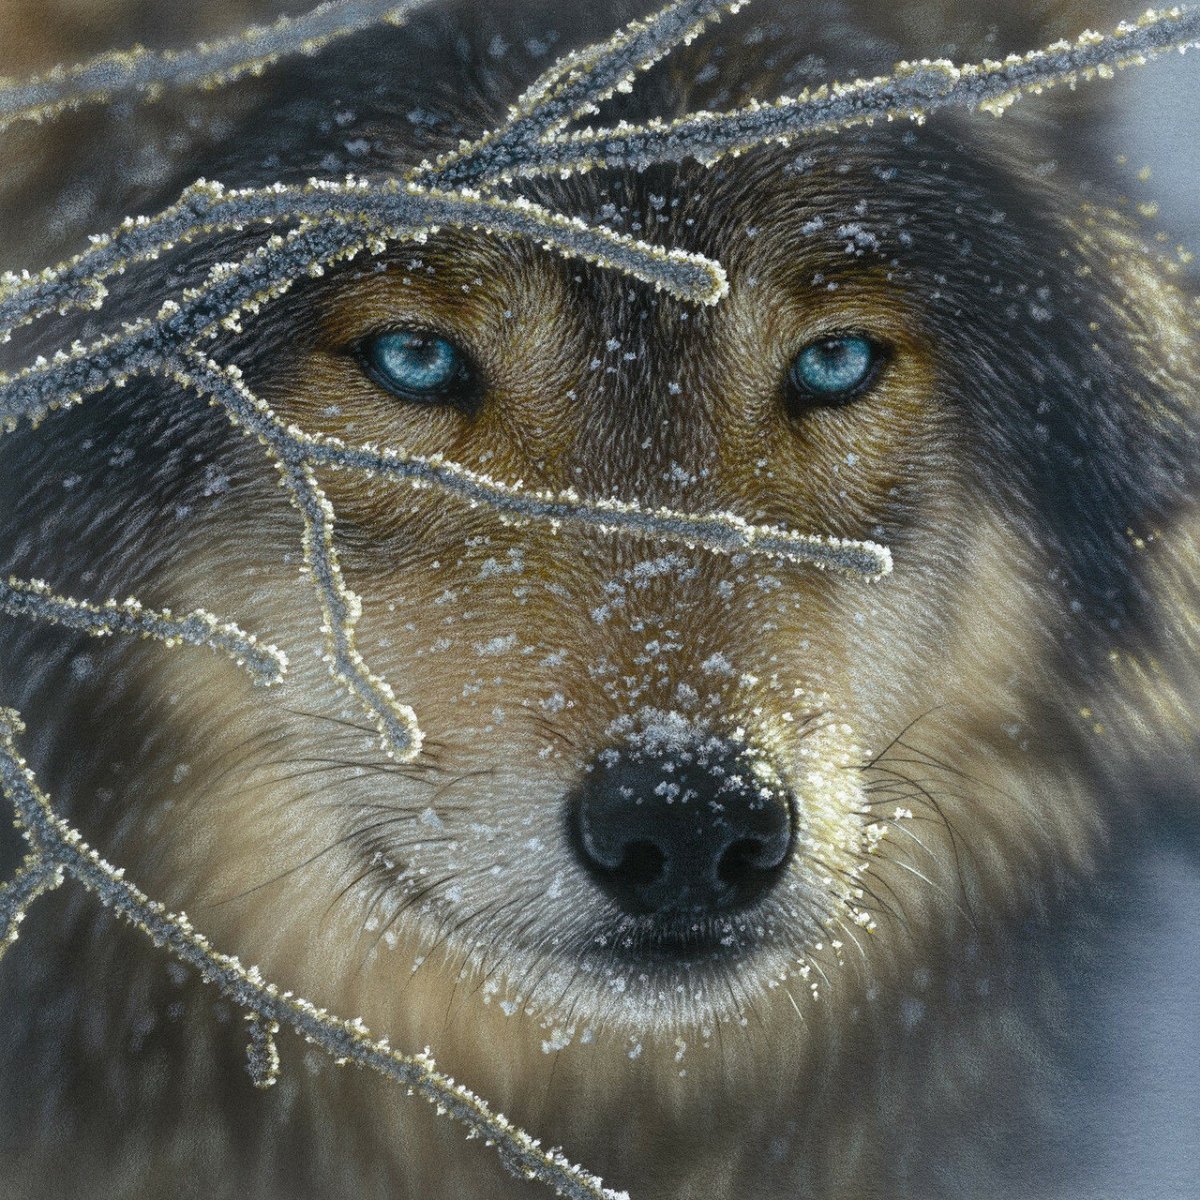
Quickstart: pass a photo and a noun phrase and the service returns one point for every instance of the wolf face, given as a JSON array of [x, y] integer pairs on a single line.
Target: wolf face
[[692, 843]]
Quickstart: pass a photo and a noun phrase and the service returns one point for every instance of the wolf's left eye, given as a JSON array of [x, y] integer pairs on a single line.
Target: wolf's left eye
[[420, 366], [835, 369]]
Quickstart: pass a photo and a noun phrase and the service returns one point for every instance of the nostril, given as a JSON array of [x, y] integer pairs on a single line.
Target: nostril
[[748, 860], [642, 865]]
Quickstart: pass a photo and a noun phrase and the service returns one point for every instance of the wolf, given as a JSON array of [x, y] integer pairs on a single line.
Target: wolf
[[732, 879]]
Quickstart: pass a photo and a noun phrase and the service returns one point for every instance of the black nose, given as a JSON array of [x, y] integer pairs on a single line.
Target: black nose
[[693, 830]]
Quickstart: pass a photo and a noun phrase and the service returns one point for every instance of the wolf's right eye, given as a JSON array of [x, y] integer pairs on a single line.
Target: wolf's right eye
[[420, 366]]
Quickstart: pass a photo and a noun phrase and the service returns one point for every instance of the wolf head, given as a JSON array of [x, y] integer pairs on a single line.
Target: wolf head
[[663, 792]]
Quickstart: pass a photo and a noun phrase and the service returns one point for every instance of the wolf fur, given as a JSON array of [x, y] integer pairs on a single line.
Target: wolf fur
[[1025, 682]]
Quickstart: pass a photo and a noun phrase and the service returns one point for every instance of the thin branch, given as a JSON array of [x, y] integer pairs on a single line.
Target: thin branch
[[35, 599], [684, 275], [208, 209], [36, 876], [262, 1054], [574, 85], [58, 843], [150, 73], [399, 732], [914, 91], [719, 532]]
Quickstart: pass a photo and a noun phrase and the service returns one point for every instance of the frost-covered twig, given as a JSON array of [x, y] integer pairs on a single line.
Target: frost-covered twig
[[262, 1054], [58, 848], [231, 291], [340, 609], [36, 876], [720, 532], [207, 210], [206, 65], [914, 91], [574, 85], [35, 599]]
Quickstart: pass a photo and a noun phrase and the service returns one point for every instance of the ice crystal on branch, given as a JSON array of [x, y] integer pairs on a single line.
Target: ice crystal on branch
[[262, 1055], [914, 91], [304, 231], [36, 876], [34, 598], [206, 65]]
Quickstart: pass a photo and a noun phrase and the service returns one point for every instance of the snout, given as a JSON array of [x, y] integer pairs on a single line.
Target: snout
[[688, 830]]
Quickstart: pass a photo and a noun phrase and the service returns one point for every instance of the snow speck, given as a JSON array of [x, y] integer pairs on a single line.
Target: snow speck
[[497, 645]]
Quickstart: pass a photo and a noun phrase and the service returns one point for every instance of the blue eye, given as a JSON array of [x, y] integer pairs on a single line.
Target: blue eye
[[419, 366], [836, 369]]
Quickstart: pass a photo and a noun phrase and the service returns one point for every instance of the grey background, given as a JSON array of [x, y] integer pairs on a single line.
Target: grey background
[[1160, 128]]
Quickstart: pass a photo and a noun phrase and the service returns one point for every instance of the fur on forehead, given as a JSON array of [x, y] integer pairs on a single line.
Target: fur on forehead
[[395, 95]]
